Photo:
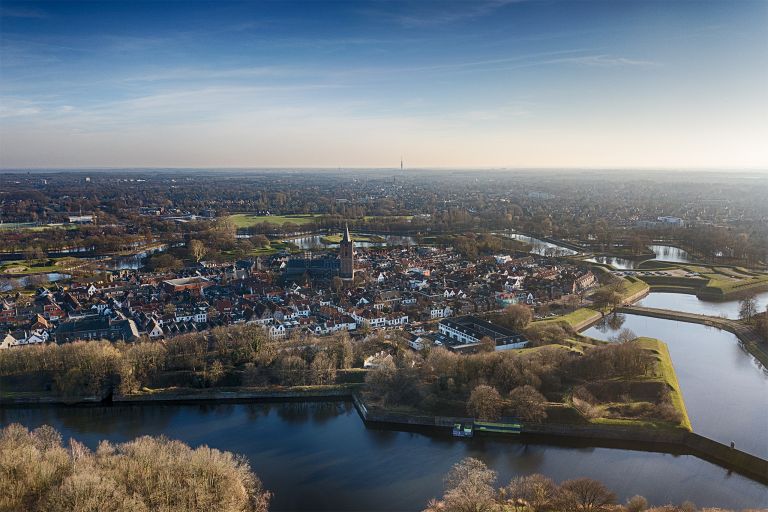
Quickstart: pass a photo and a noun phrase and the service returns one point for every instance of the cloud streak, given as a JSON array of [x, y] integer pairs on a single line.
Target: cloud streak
[[22, 12]]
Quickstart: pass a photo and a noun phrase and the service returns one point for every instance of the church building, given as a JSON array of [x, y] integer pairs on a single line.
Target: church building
[[347, 256]]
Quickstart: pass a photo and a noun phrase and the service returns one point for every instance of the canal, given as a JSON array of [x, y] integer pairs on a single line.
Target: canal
[[692, 304], [541, 247], [320, 456], [316, 241], [663, 253], [725, 388]]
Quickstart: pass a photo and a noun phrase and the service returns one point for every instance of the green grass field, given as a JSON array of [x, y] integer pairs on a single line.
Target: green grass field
[[665, 372], [31, 226], [573, 319], [246, 220], [36, 267]]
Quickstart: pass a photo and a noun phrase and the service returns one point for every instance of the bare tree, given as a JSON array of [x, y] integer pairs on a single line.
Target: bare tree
[[535, 492], [516, 316], [48, 477], [636, 504], [624, 336], [485, 403], [469, 487], [528, 403], [747, 309], [585, 495], [197, 250]]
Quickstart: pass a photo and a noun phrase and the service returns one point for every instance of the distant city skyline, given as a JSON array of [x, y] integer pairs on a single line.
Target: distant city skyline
[[483, 84]]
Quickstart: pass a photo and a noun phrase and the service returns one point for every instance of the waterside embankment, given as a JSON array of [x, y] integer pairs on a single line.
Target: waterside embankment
[[675, 441], [744, 332]]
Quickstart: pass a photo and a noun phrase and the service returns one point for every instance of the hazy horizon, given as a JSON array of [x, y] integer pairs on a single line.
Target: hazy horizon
[[490, 84]]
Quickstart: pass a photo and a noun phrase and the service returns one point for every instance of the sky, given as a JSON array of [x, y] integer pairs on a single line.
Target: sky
[[617, 84]]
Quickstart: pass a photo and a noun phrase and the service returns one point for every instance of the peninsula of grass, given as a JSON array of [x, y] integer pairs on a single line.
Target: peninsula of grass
[[335, 239], [44, 266], [247, 220]]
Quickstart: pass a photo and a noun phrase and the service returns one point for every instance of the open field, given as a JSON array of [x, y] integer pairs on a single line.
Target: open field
[[33, 226], [37, 267], [575, 319], [246, 220]]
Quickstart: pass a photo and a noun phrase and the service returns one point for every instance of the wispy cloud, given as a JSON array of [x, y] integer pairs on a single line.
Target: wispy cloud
[[204, 73], [447, 12], [22, 12], [605, 61], [14, 107]]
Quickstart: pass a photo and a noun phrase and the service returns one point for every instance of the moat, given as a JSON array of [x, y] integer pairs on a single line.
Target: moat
[[320, 456]]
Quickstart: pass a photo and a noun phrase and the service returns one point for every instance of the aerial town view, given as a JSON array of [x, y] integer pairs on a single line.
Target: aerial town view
[[443, 256]]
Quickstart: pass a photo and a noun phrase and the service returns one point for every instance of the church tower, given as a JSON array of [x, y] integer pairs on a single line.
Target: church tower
[[347, 256]]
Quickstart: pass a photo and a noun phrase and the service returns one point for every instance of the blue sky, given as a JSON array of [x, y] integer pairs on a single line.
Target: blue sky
[[487, 83]]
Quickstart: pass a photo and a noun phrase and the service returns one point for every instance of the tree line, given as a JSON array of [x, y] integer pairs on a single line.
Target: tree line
[[239, 355], [470, 486]]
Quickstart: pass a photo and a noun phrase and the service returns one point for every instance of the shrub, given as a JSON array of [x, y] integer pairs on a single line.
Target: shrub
[[38, 474]]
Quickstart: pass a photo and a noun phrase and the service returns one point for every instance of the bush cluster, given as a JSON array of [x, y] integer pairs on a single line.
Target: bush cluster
[[38, 473]]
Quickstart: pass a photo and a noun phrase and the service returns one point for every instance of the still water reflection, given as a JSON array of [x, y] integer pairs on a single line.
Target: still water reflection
[[320, 456], [724, 387], [692, 304], [669, 253]]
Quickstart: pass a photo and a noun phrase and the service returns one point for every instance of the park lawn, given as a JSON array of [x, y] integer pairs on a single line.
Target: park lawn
[[573, 319], [18, 267], [542, 347], [634, 286], [31, 226], [246, 220], [263, 251]]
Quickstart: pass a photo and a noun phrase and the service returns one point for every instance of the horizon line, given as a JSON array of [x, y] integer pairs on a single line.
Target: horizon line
[[381, 168]]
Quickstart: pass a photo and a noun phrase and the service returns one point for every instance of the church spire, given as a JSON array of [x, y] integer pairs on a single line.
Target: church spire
[[347, 256]]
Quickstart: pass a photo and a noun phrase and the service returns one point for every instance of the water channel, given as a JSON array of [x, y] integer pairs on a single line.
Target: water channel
[[541, 247], [316, 241], [692, 304], [663, 253], [725, 388], [320, 456]]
